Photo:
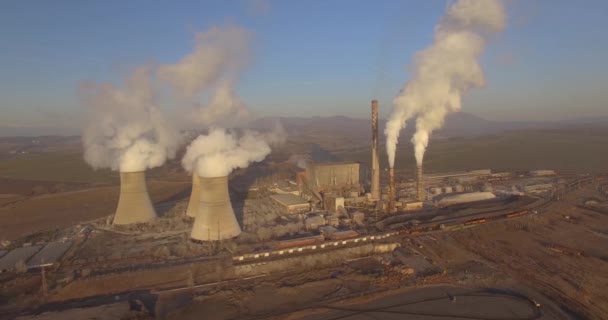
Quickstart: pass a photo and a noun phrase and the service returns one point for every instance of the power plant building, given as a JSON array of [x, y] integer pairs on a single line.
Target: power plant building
[[290, 202], [324, 176]]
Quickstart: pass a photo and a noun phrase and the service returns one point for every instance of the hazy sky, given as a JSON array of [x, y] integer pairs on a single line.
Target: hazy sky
[[310, 57]]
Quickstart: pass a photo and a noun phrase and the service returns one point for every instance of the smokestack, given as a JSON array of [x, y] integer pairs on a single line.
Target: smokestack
[[375, 188], [419, 184], [391, 190], [215, 219], [134, 205], [194, 197]]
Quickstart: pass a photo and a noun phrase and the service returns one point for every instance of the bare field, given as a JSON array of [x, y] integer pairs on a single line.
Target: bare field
[[567, 151], [64, 166], [521, 250], [52, 211]]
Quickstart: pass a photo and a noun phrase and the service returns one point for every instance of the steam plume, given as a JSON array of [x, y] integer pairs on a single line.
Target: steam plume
[[444, 72], [219, 152], [209, 73], [126, 131]]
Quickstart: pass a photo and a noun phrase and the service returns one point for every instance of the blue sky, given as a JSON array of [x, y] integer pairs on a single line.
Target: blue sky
[[310, 57]]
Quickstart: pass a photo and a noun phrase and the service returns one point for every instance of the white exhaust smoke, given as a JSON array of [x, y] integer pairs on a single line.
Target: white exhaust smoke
[[127, 131], [221, 151], [209, 73], [444, 72]]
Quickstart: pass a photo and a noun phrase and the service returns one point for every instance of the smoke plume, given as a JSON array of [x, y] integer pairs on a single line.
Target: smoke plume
[[126, 131], [203, 81], [444, 72], [221, 151]]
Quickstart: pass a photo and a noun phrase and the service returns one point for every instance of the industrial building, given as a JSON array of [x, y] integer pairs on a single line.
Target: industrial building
[[291, 203], [447, 200], [458, 176], [542, 173], [8, 261], [49, 255], [327, 176]]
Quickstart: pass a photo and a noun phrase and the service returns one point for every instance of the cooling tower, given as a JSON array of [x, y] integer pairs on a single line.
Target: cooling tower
[[215, 219], [194, 197], [419, 184], [134, 205], [391, 190], [375, 188]]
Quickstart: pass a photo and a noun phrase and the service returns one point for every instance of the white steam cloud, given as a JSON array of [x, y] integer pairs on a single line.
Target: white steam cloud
[[126, 131], [219, 152], [444, 72], [209, 73]]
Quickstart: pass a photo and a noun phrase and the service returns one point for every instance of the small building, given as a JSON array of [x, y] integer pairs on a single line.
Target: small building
[[412, 205], [538, 188], [332, 220], [333, 202], [313, 223], [358, 218], [542, 173], [291, 203]]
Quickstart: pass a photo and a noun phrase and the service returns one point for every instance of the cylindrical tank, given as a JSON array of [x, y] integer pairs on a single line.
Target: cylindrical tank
[[215, 219], [448, 189], [192, 209], [134, 204]]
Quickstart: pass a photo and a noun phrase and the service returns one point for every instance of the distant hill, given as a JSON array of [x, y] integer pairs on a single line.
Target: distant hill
[[460, 124]]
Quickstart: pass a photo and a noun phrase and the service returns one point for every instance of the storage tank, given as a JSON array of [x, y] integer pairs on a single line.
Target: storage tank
[[134, 204], [192, 209], [215, 219]]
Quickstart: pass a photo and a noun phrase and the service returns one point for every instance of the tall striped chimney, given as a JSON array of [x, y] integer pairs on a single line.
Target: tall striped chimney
[[375, 188]]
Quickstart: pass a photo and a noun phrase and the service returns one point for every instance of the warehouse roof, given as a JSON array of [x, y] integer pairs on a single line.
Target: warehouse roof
[[289, 199], [49, 254], [8, 261]]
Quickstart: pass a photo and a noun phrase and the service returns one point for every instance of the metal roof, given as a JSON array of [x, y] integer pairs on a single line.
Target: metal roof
[[8, 261], [289, 199], [50, 254]]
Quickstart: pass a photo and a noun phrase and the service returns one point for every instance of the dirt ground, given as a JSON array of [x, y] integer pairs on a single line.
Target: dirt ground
[[521, 250], [51, 211]]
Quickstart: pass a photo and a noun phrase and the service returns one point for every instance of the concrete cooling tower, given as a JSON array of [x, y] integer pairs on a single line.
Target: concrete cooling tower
[[215, 219], [194, 197], [134, 204]]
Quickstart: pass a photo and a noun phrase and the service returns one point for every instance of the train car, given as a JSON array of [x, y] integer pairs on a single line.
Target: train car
[[341, 235], [475, 221], [516, 214], [284, 244]]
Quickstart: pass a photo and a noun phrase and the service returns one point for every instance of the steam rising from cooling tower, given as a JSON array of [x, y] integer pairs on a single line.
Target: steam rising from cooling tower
[[444, 72], [211, 69], [127, 131], [218, 153]]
